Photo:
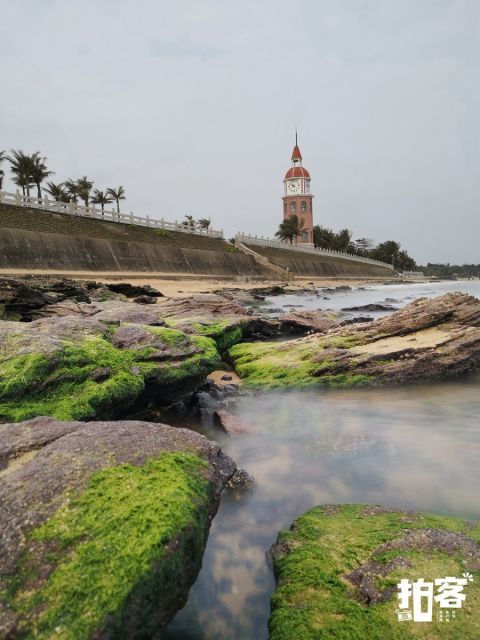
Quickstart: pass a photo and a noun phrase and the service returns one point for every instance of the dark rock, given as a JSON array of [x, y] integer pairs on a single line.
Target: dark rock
[[100, 374], [145, 300], [241, 479], [226, 377], [371, 307], [356, 320], [133, 291], [21, 296]]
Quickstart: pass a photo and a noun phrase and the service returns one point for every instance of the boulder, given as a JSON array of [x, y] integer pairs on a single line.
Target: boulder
[[133, 290], [338, 567], [21, 297], [82, 368], [426, 340], [104, 525]]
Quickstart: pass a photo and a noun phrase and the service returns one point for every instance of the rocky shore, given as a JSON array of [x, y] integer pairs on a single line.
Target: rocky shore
[[106, 517]]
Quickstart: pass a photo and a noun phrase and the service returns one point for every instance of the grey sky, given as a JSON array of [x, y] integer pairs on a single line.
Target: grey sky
[[192, 107]]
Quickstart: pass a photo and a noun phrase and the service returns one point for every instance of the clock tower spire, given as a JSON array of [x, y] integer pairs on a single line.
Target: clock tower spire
[[297, 199]]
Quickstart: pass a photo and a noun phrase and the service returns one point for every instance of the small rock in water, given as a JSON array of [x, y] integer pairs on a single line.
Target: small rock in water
[[241, 479], [230, 423]]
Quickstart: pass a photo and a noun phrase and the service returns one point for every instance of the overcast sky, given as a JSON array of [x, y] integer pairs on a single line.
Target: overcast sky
[[192, 106]]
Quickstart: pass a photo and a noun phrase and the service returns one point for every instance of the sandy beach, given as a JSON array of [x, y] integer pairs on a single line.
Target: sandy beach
[[173, 285]]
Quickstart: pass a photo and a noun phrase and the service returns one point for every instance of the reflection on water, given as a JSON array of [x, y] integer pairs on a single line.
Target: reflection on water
[[414, 447]]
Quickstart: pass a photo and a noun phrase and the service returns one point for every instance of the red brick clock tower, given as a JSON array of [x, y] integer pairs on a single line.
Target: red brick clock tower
[[298, 199]]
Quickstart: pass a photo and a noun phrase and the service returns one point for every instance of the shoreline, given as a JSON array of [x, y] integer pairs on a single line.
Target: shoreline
[[172, 285]]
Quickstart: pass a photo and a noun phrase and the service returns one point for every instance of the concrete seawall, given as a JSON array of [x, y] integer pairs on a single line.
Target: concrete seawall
[[305, 265], [37, 240], [21, 249]]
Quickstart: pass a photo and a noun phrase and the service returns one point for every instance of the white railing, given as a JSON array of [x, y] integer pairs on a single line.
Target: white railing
[[260, 241], [72, 209]]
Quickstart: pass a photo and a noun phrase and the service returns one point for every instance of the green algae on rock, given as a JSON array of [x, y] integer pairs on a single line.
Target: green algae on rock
[[82, 368], [427, 340], [338, 566], [105, 527]]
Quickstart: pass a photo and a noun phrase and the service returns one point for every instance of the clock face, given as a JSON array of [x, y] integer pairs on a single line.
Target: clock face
[[306, 184], [293, 186]]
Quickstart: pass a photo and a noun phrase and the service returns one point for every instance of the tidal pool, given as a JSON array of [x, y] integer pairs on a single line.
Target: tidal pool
[[413, 447]]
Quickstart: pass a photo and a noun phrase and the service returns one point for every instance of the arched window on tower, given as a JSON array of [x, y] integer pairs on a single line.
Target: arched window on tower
[[284, 207], [293, 207], [304, 206]]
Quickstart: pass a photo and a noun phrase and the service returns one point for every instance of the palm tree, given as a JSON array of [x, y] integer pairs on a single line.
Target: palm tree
[[2, 172], [57, 191], [116, 195], [71, 189], [84, 186], [22, 167], [189, 221], [290, 229], [101, 198], [39, 171], [204, 223]]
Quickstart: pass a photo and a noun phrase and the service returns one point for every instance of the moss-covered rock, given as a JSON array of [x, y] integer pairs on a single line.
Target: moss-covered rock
[[103, 530], [83, 368], [338, 568], [426, 340]]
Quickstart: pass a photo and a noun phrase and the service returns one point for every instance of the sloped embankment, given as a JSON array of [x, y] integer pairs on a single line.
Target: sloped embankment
[[32, 239]]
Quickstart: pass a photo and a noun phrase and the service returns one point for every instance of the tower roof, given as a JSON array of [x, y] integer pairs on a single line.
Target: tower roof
[[296, 155], [297, 172]]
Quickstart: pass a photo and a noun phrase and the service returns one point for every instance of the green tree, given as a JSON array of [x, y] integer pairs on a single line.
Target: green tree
[[290, 229], [342, 240], [21, 166], [39, 171], [386, 251], [116, 195], [204, 223], [72, 190], [189, 221], [324, 238], [84, 186], [101, 198], [57, 191], [404, 262]]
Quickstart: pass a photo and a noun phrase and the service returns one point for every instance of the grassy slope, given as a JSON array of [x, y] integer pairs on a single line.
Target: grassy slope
[[311, 601], [108, 551], [12, 217]]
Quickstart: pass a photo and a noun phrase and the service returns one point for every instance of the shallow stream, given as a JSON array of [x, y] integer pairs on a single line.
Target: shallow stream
[[413, 447]]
